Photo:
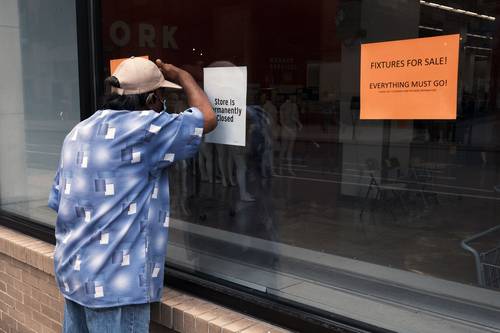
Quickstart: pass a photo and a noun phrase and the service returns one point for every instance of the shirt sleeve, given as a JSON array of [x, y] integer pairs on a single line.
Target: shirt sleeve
[[54, 195], [176, 136]]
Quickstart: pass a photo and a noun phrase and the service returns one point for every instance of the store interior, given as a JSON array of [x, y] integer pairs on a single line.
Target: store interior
[[314, 180]]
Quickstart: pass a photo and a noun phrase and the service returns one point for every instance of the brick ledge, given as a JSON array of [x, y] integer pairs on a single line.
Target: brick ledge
[[177, 311]]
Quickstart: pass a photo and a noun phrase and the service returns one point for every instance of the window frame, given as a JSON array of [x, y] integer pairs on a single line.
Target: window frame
[[286, 313], [280, 312]]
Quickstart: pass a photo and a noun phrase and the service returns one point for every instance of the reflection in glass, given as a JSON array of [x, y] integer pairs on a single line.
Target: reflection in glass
[[39, 100], [317, 193]]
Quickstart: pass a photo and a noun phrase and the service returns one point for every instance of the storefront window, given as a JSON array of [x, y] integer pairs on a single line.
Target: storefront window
[[319, 199], [39, 100]]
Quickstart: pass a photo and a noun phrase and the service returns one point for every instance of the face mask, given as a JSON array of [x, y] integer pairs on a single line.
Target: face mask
[[164, 105]]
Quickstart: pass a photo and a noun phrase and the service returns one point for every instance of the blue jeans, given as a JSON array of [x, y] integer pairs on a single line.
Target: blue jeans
[[119, 319]]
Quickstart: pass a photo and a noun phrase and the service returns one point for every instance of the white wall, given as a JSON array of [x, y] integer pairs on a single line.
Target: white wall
[[39, 98], [12, 156]]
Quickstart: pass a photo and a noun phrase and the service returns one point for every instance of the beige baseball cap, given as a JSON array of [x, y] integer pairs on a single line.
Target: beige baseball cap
[[138, 75]]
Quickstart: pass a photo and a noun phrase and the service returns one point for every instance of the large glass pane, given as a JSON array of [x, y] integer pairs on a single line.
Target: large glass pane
[[39, 100], [319, 200]]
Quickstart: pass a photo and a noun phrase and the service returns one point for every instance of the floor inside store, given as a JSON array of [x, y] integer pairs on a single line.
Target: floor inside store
[[413, 228]]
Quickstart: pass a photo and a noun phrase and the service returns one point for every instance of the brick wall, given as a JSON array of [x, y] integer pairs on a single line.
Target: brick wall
[[31, 302], [29, 298]]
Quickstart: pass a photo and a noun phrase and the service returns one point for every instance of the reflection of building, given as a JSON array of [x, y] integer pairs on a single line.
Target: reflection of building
[[365, 215]]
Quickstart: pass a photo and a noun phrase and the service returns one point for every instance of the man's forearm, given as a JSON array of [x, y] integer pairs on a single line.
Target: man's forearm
[[196, 97]]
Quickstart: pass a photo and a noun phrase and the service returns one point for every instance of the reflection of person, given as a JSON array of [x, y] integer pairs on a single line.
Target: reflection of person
[[290, 124], [238, 157], [112, 197], [205, 162], [261, 137], [272, 115], [271, 111], [230, 157], [328, 109], [225, 163]]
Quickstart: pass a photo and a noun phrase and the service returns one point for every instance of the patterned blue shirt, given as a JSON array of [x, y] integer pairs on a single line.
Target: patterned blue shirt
[[112, 198]]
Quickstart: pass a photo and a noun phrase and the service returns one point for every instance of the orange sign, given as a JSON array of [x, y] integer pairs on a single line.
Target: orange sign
[[113, 63], [410, 79]]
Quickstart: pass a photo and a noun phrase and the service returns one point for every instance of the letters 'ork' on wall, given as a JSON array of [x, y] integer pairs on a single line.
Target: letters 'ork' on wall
[[410, 79]]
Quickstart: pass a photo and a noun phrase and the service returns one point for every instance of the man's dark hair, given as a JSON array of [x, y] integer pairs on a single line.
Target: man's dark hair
[[114, 101]]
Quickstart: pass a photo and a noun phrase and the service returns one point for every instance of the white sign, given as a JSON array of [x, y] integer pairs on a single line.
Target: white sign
[[226, 87]]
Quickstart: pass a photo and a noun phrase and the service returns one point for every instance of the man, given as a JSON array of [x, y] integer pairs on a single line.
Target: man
[[112, 197]]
